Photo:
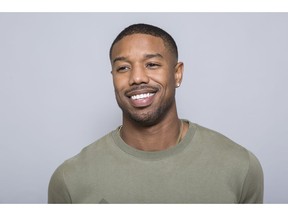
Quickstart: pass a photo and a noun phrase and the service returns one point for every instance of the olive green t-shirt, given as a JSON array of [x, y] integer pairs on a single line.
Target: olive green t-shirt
[[205, 167]]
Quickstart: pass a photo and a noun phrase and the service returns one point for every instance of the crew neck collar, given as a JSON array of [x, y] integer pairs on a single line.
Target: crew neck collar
[[155, 155]]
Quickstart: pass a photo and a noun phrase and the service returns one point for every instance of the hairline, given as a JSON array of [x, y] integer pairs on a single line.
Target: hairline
[[154, 31]]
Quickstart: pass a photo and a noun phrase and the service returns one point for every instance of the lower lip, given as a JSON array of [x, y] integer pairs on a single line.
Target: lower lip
[[140, 103]]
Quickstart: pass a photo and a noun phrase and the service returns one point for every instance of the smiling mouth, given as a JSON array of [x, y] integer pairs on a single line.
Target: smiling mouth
[[141, 96], [142, 99]]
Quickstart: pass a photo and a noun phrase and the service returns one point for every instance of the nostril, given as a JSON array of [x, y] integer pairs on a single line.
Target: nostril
[[138, 76]]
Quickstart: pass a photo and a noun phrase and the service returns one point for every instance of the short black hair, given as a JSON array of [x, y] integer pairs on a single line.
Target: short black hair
[[142, 28]]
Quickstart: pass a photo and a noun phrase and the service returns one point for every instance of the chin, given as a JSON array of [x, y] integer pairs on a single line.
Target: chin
[[146, 119]]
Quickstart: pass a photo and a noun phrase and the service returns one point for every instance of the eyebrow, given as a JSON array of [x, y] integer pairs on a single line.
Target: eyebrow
[[121, 58], [156, 55], [146, 56]]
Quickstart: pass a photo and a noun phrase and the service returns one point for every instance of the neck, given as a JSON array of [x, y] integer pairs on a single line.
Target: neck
[[160, 136]]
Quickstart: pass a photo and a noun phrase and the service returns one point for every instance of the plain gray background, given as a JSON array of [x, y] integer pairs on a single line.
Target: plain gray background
[[57, 96]]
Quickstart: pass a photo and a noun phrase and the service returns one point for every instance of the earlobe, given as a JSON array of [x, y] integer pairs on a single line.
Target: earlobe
[[179, 73]]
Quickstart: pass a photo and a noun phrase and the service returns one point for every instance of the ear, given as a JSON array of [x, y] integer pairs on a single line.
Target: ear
[[179, 68]]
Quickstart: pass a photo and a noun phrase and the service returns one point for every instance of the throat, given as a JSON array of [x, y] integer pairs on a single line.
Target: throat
[[153, 139]]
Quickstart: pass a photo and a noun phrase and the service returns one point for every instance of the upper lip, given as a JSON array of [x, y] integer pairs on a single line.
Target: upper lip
[[140, 90]]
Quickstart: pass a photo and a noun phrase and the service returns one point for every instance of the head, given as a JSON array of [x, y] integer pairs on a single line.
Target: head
[[146, 72], [141, 28]]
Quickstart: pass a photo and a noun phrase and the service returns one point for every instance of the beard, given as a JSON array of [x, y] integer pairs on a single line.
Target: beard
[[148, 116]]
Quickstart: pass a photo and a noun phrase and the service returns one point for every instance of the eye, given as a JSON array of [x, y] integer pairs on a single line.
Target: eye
[[152, 65], [122, 68]]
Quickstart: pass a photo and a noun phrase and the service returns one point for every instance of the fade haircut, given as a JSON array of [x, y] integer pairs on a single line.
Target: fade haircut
[[142, 28]]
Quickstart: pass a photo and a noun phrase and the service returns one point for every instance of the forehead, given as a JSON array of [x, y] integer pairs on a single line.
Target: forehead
[[138, 43]]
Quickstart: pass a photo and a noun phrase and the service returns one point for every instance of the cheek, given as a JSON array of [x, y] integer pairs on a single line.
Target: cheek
[[118, 83], [166, 79]]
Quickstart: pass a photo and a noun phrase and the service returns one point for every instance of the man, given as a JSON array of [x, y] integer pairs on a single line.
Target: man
[[155, 157]]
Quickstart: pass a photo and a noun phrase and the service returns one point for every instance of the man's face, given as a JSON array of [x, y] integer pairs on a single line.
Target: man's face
[[145, 74]]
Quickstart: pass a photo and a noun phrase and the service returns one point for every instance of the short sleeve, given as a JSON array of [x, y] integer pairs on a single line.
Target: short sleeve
[[253, 186], [57, 190]]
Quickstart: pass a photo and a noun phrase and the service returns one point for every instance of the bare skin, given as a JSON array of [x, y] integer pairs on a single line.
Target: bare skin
[[145, 76]]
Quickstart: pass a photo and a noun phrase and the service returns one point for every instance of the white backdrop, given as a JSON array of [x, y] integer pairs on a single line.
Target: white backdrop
[[57, 96]]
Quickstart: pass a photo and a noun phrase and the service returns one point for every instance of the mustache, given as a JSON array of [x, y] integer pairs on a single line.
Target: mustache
[[142, 87]]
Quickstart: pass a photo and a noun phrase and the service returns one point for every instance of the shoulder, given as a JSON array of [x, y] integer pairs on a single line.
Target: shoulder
[[73, 174], [230, 159], [87, 159], [222, 150], [90, 153], [217, 142]]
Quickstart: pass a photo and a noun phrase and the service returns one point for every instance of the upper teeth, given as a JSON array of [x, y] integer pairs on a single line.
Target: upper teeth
[[141, 96]]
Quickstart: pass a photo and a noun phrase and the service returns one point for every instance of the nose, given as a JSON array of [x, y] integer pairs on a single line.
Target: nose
[[138, 75]]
